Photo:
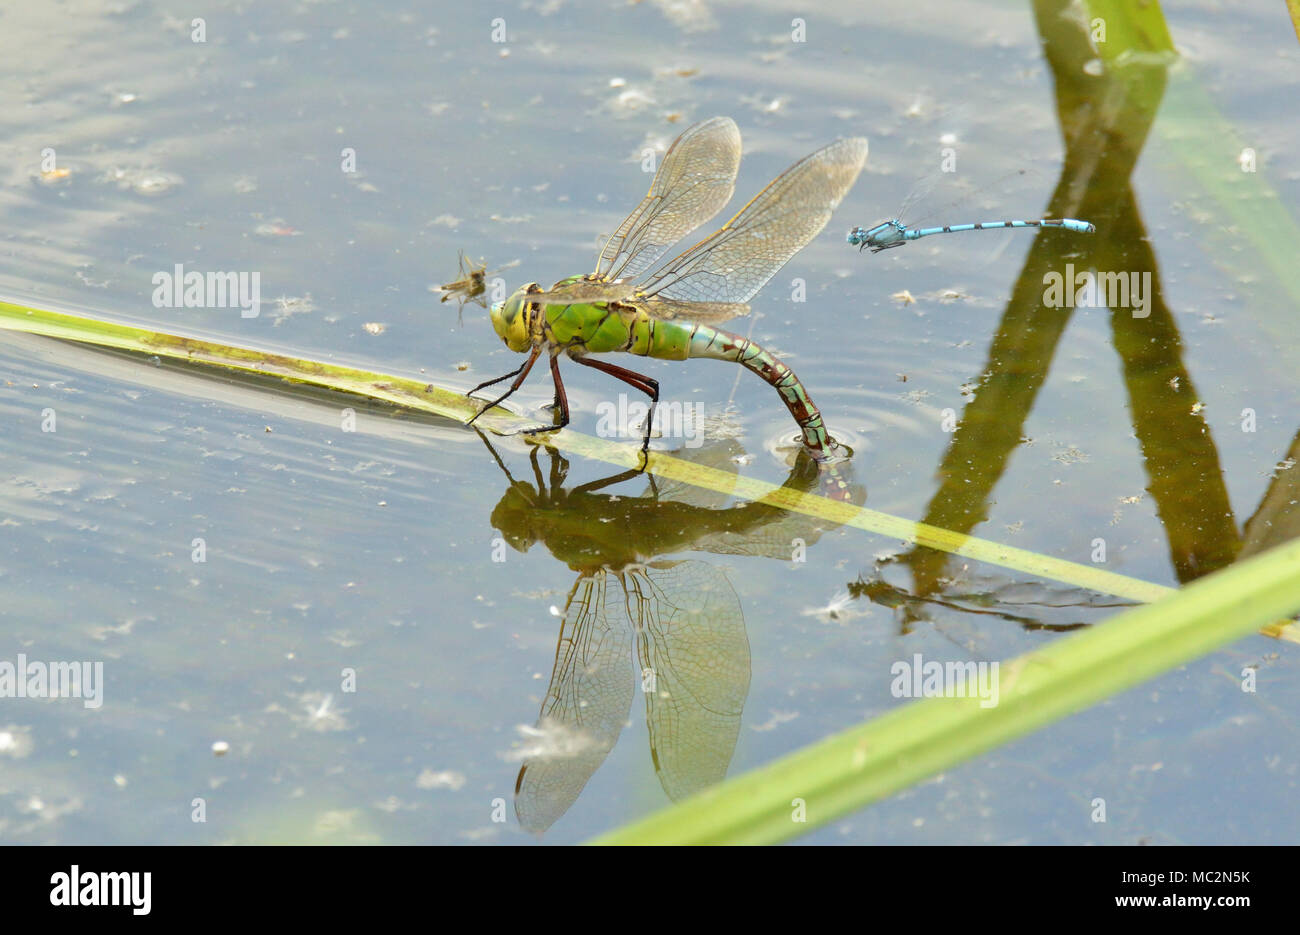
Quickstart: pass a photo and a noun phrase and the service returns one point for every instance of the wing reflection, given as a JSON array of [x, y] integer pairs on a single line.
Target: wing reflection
[[682, 616]]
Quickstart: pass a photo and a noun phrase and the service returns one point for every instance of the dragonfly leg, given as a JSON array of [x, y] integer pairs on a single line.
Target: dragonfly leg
[[537, 469], [640, 381], [496, 457], [607, 481], [561, 401], [526, 365], [520, 376], [559, 470]]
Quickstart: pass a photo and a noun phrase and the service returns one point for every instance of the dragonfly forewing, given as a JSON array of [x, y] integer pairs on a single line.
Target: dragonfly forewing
[[586, 291], [694, 182], [586, 705], [714, 280]]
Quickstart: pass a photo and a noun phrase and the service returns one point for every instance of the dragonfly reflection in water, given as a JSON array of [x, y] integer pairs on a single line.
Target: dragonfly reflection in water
[[682, 617]]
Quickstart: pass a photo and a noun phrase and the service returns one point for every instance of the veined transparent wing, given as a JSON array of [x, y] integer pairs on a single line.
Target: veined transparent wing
[[735, 261], [695, 180], [695, 669], [586, 705], [715, 279], [587, 290], [706, 313]]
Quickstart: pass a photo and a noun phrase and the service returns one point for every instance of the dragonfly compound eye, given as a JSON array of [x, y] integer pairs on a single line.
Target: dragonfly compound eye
[[510, 321]]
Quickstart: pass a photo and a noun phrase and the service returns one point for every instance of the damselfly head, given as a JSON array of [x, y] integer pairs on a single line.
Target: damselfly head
[[884, 235]]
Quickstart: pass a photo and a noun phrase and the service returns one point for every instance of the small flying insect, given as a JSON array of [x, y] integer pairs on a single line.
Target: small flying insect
[[472, 283]]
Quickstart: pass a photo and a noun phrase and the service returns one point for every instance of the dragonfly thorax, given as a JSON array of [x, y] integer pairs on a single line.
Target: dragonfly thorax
[[510, 319]]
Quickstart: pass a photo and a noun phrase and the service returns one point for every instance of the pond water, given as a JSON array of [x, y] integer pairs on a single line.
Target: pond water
[[365, 617]]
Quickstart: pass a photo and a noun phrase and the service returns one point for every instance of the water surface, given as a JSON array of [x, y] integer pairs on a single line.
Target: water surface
[[430, 570]]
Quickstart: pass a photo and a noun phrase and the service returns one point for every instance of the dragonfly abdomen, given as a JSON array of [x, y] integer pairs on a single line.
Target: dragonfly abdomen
[[723, 345]]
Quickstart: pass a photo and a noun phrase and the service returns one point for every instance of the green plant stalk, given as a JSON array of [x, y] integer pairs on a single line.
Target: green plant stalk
[[412, 394], [1252, 225], [866, 763], [427, 397]]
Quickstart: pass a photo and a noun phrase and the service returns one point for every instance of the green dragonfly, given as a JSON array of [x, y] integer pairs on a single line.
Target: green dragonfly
[[669, 313]]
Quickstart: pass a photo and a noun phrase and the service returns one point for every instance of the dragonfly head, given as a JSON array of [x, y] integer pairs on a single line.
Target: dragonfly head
[[517, 516], [510, 319]]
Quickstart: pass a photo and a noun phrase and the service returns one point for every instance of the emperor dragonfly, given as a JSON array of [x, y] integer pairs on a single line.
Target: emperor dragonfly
[[669, 313]]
